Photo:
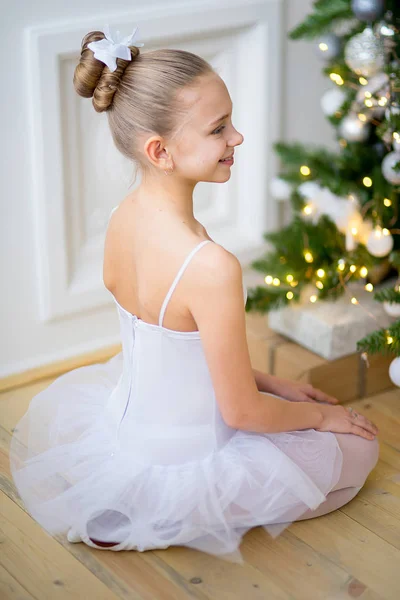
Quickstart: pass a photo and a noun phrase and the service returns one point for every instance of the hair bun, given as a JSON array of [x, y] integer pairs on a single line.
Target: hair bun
[[93, 79]]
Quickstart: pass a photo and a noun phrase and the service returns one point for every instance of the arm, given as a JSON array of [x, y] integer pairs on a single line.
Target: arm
[[215, 299], [264, 381]]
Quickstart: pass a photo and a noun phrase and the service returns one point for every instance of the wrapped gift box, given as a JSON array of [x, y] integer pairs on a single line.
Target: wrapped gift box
[[331, 328]]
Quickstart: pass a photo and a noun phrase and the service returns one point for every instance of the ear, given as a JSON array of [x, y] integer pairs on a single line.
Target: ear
[[156, 152]]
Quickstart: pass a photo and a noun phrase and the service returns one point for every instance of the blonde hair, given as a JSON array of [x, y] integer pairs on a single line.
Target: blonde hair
[[141, 95]]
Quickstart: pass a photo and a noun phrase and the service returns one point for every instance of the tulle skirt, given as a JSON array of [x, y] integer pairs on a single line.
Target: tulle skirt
[[74, 478]]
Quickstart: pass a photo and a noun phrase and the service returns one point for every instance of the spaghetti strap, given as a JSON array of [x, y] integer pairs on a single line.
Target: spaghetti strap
[[177, 278]]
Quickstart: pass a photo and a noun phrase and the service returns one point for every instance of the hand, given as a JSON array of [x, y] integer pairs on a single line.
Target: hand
[[340, 419], [297, 391]]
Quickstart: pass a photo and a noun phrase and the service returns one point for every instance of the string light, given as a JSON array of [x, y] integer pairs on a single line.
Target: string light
[[389, 339], [341, 264], [368, 103], [307, 210], [276, 281], [308, 256], [313, 298], [321, 273], [367, 181], [363, 81], [387, 202], [362, 117], [289, 295], [353, 268], [367, 94], [336, 78], [289, 278], [369, 287], [294, 283], [382, 101], [319, 285], [363, 271], [268, 279], [354, 300], [304, 170], [322, 46]]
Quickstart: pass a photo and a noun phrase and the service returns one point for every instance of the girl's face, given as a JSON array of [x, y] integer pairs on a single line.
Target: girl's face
[[207, 134]]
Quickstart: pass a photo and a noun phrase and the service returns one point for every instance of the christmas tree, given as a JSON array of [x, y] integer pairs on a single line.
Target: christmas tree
[[345, 204]]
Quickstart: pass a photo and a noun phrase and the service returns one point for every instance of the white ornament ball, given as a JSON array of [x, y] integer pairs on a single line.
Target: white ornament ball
[[280, 189], [391, 111], [332, 100], [388, 163], [394, 371], [354, 130], [392, 308], [364, 53], [379, 244]]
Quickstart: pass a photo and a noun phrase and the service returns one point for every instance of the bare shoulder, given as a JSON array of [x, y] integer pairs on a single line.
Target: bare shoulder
[[216, 266]]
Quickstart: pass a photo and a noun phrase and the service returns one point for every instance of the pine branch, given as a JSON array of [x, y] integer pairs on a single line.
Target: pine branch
[[377, 341], [326, 13], [388, 295]]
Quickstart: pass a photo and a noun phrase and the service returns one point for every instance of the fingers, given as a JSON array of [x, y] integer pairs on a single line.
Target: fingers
[[322, 396], [362, 422], [362, 432]]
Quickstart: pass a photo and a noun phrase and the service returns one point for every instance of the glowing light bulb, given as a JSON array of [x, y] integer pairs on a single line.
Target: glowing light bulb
[[354, 230], [369, 287], [368, 103], [382, 101], [321, 273], [294, 283], [308, 256], [363, 271], [367, 181], [268, 279], [289, 278], [363, 81], [354, 300], [353, 268], [341, 266], [385, 231], [304, 170], [323, 46], [307, 210], [276, 281], [289, 295], [319, 285], [313, 298], [389, 339], [387, 202]]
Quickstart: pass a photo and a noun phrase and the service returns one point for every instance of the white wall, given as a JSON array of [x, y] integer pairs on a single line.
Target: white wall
[[34, 333]]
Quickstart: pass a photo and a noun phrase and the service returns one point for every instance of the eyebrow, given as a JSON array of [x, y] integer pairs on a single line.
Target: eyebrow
[[218, 120]]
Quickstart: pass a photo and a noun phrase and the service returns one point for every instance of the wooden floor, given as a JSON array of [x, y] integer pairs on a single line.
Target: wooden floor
[[353, 552]]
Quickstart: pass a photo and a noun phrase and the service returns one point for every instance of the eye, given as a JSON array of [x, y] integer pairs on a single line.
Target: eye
[[218, 130]]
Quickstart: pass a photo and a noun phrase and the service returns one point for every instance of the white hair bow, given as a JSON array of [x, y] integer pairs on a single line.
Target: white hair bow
[[112, 47]]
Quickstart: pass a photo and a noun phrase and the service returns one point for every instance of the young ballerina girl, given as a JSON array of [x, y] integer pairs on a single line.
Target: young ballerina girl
[[177, 440]]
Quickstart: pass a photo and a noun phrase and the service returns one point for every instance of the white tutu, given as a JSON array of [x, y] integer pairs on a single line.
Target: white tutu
[[135, 451]]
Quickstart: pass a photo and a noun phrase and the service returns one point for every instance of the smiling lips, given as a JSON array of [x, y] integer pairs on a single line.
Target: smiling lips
[[227, 158]]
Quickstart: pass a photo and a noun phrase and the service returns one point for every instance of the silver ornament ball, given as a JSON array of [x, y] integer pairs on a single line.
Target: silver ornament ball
[[364, 53], [367, 10], [328, 46]]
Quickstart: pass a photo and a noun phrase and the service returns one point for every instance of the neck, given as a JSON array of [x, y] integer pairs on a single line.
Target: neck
[[169, 194]]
